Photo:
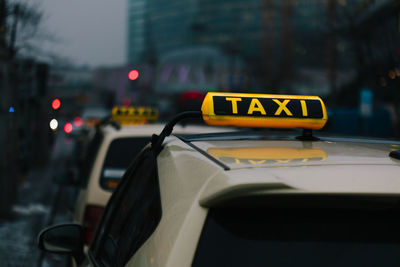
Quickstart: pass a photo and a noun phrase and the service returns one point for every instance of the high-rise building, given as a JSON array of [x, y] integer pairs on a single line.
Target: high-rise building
[[136, 30], [283, 44], [162, 26]]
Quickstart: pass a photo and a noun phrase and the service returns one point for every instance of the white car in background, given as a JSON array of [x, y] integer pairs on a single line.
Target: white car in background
[[111, 152]]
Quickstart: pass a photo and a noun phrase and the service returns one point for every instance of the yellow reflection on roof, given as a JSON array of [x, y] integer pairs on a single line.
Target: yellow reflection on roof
[[263, 155]]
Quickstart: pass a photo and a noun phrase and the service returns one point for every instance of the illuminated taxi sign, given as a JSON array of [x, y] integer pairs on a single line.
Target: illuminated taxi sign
[[262, 110], [266, 155], [133, 115]]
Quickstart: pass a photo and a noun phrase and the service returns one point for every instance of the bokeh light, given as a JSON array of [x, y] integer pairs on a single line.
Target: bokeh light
[[68, 127], [53, 124], [56, 104], [133, 75], [78, 122]]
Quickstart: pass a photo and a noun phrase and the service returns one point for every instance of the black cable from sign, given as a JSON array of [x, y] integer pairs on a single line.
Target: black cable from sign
[[157, 140]]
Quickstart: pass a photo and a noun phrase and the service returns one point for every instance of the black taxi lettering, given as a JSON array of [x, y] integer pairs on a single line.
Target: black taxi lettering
[[282, 107], [234, 101], [267, 107]]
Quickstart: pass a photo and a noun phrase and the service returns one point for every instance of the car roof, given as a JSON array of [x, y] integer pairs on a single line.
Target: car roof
[[288, 166], [241, 154], [156, 128]]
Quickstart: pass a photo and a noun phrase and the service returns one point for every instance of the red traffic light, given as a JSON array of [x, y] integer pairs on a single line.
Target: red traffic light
[[56, 104], [133, 75], [68, 127]]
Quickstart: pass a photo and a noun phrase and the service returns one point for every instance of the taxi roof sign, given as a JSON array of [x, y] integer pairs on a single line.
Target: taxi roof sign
[[264, 110], [133, 115]]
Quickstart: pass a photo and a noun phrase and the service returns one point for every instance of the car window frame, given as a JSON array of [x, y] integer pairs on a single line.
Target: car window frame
[[107, 154]]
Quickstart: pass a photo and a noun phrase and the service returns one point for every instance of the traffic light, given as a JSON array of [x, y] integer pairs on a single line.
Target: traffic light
[[56, 104], [133, 75], [68, 127]]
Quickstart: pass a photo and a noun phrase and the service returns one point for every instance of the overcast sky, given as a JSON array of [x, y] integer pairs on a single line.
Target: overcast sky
[[91, 32]]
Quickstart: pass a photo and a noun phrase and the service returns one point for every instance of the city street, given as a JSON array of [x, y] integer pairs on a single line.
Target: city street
[[40, 203], [97, 146]]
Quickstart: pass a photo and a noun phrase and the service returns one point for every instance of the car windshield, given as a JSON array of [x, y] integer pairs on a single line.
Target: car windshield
[[118, 159], [299, 237]]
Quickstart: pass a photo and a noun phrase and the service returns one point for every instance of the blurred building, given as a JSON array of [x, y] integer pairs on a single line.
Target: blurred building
[[276, 46], [378, 36], [160, 27], [136, 36], [377, 31], [114, 82], [23, 125], [74, 87]]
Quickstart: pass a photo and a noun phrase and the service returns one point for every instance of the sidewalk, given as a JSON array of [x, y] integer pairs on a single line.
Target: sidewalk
[[39, 203]]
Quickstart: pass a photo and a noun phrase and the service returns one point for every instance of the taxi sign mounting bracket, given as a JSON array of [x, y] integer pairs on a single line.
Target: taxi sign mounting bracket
[[307, 136]]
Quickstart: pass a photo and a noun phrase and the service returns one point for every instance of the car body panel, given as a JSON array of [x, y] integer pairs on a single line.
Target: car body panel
[[174, 241], [191, 183]]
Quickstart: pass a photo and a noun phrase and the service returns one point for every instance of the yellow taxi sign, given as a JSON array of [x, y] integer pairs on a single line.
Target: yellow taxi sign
[[133, 115], [264, 110]]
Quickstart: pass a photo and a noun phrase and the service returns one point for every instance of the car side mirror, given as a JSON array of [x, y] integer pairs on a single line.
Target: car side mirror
[[63, 239]]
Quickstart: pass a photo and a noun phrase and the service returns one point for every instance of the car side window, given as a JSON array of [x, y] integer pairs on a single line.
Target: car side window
[[132, 213], [118, 159]]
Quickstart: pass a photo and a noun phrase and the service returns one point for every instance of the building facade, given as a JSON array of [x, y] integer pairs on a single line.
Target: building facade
[[290, 46]]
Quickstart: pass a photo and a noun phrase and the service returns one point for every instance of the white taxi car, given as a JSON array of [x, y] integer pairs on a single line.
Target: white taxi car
[[251, 198], [112, 149], [108, 165]]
